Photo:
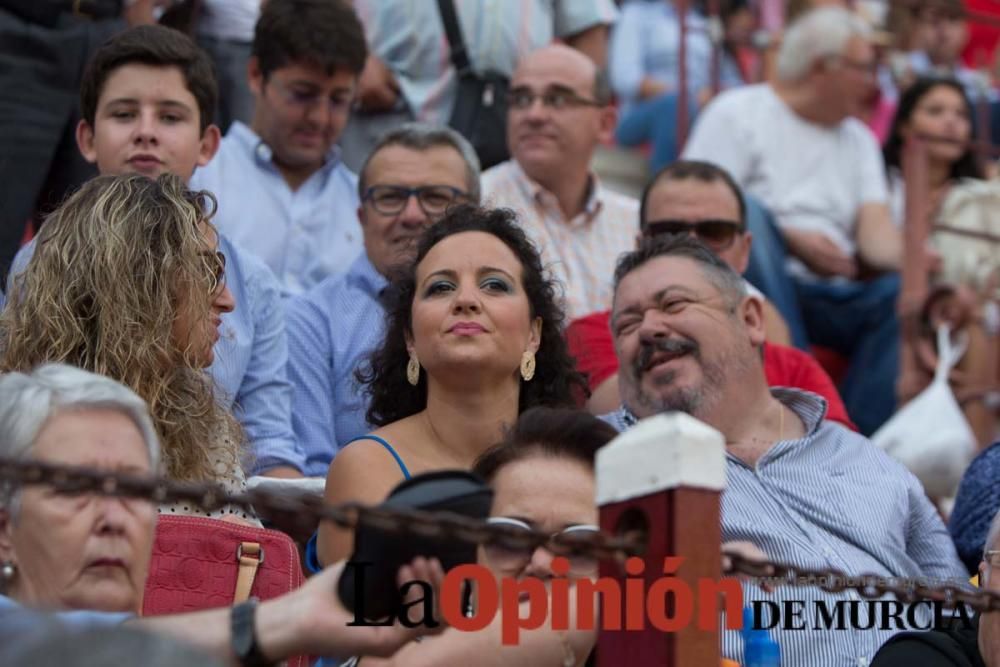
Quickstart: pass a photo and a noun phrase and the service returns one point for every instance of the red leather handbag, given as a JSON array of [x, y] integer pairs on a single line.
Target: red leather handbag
[[202, 563]]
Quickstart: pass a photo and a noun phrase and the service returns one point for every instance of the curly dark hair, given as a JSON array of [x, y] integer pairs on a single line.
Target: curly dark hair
[[966, 166], [556, 382]]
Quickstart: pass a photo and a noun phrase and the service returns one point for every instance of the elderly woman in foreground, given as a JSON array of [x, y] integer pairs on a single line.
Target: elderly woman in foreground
[[60, 553]]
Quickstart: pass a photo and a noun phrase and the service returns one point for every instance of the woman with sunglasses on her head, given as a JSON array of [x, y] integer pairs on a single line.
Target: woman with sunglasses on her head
[[473, 338], [542, 476], [126, 281]]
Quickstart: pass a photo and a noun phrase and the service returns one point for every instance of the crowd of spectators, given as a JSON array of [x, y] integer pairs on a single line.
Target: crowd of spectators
[[240, 239]]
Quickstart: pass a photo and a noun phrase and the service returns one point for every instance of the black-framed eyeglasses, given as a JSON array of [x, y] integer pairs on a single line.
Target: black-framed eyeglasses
[[570, 542], [434, 200], [553, 98], [716, 234], [217, 265]]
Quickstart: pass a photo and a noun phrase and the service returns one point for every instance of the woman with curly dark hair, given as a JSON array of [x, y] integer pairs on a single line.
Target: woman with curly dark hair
[[473, 338]]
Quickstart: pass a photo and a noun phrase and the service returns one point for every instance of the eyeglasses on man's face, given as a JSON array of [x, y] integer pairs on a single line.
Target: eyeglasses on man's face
[[716, 234], [557, 98], [434, 200], [570, 543]]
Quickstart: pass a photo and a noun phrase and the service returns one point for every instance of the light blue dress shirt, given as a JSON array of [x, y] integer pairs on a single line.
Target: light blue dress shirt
[[409, 37], [645, 42], [330, 331], [251, 356], [829, 500], [303, 235]]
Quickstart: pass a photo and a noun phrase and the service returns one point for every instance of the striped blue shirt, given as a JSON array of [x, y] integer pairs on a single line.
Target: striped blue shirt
[[331, 329], [830, 500]]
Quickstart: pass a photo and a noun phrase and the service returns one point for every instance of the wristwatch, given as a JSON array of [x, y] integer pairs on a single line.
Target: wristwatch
[[244, 638]]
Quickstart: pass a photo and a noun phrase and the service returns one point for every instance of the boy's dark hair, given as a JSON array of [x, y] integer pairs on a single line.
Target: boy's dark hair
[[323, 33], [158, 46]]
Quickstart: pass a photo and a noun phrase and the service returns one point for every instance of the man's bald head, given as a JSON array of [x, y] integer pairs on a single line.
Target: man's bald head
[[559, 112], [575, 65]]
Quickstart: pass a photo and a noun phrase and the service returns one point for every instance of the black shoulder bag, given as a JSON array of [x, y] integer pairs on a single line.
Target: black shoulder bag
[[480, 113]]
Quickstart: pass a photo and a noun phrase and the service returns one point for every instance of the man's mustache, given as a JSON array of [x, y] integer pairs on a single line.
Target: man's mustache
[[671, 346]]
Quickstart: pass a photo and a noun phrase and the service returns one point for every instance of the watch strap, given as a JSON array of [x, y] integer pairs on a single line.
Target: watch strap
[[244, 635]]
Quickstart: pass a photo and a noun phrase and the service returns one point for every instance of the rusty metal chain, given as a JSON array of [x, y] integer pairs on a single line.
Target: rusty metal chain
[[867, 586], [308, 509]]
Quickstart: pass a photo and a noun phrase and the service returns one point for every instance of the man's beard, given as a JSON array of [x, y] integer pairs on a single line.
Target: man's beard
[[691, 399]]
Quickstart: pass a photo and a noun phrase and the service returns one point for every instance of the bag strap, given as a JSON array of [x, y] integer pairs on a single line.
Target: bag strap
[[250, 556], [949, 354], [459, 54]]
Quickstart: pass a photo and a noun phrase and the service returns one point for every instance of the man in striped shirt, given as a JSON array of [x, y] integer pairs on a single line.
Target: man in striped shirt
[[807, 491]]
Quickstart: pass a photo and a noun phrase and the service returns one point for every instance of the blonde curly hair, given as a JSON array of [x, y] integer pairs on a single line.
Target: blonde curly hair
[[113, 268]]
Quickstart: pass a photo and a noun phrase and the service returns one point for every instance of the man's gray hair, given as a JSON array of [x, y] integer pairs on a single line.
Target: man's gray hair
[[422, 137], [29, 400], [819, 34]]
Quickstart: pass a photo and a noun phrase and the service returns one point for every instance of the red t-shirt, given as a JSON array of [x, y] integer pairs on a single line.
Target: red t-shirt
[[589, 339]]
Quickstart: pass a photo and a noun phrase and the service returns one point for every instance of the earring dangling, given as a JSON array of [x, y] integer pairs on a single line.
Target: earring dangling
[[413, 370], [7, 572], [528, 365]]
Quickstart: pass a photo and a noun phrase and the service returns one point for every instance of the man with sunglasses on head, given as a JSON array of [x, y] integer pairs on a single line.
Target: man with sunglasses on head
[[559, 111], [284, 193], [409, 180], [699, 199]]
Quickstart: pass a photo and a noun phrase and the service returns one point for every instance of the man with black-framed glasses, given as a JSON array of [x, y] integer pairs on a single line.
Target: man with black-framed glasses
[[699, 199], [559, 110], [409, 180]]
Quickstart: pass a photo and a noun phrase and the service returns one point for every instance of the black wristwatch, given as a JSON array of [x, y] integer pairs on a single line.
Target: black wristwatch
[[245, 635]]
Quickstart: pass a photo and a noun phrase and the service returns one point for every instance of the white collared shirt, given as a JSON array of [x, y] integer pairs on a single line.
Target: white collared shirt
[[581, 253]]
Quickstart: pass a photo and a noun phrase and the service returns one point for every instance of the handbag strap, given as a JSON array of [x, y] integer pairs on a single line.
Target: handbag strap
[[459, 54], [949, 353], [250, 556]]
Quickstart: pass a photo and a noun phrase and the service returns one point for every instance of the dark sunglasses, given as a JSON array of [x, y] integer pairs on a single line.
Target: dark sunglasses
[[716, 234], [570, 543], [434, 200]]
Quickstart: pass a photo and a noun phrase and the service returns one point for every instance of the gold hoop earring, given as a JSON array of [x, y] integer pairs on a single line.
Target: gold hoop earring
[[413, 370], [528, 365]]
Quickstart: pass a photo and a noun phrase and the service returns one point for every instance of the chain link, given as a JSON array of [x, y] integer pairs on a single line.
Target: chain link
[[307, 509]]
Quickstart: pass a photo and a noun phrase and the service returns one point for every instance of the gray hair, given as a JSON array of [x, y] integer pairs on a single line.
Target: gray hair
[[819, 34], [730, 284], [422, 137], [29, 400]]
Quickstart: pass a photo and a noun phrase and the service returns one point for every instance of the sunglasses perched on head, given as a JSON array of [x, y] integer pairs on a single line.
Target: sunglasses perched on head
[[570, 543], [716, 234]]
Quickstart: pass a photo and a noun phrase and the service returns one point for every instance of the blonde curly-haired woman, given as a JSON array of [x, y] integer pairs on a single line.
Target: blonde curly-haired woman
[[126, 281]]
